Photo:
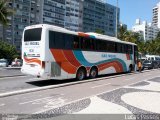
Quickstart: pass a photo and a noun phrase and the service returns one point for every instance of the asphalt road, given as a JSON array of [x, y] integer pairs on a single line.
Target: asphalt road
[[10, 72], [126, 94], [13, 80]]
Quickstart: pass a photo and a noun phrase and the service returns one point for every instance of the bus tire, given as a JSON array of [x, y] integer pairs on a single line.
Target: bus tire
[[93, 73], [81, 74]]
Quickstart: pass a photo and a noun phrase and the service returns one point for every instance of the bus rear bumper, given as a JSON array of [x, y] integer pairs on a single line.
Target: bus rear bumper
[[32, 71]]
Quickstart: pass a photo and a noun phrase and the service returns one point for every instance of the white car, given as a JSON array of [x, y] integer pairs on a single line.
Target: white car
[[3, 63], [17, 63]]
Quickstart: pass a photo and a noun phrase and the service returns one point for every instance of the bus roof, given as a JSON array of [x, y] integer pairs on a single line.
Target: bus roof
[[88, 34]]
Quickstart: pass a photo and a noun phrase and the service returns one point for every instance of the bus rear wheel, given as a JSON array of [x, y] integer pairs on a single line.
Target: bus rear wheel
[[93, 73], [81, 74]]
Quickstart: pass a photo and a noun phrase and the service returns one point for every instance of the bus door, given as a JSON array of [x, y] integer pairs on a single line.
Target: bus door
[[135, 56]]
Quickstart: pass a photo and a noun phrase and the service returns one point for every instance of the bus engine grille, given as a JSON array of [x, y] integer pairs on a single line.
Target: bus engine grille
[[55, 69]]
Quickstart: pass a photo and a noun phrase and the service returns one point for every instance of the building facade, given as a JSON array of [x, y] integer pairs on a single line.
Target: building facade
[[148, 31], [27, 12], [53, 12], [75, 15], [156, 15], [99, 16]]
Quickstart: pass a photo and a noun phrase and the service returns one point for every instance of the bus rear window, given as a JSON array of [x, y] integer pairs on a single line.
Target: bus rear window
[[33, 34]]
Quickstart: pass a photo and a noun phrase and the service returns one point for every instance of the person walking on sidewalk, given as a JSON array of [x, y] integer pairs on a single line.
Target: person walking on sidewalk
[[139, 64]]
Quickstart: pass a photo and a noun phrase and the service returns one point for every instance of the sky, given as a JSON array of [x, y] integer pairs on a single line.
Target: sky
[[130, 10]]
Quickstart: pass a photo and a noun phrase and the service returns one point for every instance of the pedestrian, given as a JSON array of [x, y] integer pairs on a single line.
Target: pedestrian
[[139, 64]]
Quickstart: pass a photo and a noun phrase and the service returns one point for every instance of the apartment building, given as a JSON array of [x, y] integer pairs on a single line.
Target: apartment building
[[75, 15], [148, 31], [27, 12], [98, 15], [53, 12], [156, 15]]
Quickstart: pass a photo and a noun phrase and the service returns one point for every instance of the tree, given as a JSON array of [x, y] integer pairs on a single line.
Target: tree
[[5, 12], [7, 51], [121, 33], [99, 31], [158, 35]]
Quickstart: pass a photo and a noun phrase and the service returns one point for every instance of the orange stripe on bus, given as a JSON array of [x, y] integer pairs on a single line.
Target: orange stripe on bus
[[32, 60], [116, 65], [71, 58], [63, 62]]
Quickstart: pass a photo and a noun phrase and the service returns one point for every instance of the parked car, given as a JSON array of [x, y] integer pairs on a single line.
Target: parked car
[[3, 63], [154, 58], [150, 64], [17, 63]]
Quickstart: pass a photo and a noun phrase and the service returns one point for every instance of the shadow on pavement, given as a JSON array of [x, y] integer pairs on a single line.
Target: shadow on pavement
[[43, 83]]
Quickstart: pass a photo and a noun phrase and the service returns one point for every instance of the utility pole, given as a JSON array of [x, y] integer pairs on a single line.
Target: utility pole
[[117, 19]]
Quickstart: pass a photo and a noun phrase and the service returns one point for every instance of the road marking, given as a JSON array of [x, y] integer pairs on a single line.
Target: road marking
[[34, 100], [40, 99], [101, 85]]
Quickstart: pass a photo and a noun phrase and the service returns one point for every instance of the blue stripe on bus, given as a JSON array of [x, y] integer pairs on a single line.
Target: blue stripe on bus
[[80, 57]]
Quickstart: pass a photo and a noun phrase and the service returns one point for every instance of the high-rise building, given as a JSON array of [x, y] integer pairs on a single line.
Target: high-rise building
[[156, 15], [52, 12], [75, 15], [148, 31], [26, 14], [99, 16]]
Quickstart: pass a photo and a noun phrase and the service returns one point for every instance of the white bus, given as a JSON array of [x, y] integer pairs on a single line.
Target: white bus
[[52, 52]]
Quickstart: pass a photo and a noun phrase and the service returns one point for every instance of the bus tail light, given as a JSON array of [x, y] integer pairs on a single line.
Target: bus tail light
[[43, 64]]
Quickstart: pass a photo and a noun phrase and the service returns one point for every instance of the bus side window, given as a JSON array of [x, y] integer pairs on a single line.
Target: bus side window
[[135, 54], [83, 44], [76, 43], [123, 48], [116, 47], [101, 45], [68, 41], [87, 44], [119, 48], [110, 46], [92, 44], [131, 49], [127, 49], [59, 40], [51, 39]]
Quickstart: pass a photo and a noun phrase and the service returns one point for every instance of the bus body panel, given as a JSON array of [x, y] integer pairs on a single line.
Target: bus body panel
[[56, 63], [70, 61], [33, 54]]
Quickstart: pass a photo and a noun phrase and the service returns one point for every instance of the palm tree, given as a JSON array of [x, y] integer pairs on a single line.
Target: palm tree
[[5, 12], [121, 33]]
